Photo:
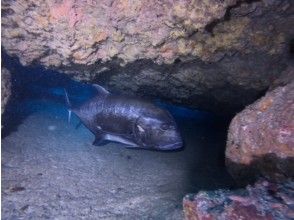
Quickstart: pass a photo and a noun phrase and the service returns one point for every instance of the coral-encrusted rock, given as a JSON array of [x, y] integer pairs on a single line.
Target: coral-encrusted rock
[[261, 138], [263, 201], [5, 88], [83, 32], [214, 55]]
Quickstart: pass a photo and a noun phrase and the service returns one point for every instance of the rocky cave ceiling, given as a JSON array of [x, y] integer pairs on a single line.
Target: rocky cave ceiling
[[208, 54]]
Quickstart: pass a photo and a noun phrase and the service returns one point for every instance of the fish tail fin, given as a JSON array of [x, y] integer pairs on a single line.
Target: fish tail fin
[[68, 104]]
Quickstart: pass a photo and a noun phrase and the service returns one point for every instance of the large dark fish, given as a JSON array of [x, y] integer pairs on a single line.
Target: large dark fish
[[131, 121]]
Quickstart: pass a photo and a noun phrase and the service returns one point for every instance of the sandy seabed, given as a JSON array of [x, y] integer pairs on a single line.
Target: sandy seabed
[[51, 170]]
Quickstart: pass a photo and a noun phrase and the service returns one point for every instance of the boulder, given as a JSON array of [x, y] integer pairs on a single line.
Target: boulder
[[262, 201], [260, 139]]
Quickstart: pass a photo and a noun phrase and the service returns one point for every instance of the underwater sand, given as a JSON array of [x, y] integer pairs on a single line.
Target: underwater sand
[[51, 170]]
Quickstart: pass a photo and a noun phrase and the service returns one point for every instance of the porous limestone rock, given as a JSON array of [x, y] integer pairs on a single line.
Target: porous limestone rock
[[69, 32], [209, 54], [262, 201], [261, 141], [5, 88]]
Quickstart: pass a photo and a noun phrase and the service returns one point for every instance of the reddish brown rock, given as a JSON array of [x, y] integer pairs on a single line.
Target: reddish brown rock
[[261, 138], [263, 201], [5, 88]]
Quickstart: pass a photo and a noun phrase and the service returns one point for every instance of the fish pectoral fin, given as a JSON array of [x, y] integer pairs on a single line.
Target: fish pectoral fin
[[100, 141], [102, 138], [120, 139]]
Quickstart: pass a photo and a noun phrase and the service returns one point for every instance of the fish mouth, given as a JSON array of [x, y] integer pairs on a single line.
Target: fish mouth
[[172, 146]]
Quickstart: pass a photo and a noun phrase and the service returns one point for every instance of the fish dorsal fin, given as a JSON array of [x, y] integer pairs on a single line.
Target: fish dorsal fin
[[100, 89]]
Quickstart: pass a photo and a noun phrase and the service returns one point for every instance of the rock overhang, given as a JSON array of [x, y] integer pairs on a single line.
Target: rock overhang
[[213, 55]]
